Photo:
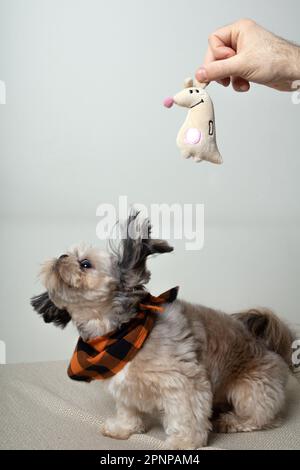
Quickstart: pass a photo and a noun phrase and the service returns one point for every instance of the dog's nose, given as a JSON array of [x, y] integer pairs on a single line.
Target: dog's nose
[[63, 256]]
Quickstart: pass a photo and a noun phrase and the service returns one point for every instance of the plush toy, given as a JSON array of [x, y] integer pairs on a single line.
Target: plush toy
[[197, 136]]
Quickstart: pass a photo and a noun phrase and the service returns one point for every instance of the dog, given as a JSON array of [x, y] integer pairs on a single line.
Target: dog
[[199, 368]]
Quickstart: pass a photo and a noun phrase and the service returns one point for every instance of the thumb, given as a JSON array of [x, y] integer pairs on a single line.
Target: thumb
[[219, 69]]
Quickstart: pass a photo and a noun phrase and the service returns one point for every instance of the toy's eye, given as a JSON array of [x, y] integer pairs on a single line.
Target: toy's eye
[[191, 91], [197, 91], [85, 264]]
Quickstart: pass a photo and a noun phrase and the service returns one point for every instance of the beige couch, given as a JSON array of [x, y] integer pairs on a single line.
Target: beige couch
[[41, 408]]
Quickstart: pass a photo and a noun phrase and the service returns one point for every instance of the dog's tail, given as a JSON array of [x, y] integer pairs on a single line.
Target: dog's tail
[[265, 325]]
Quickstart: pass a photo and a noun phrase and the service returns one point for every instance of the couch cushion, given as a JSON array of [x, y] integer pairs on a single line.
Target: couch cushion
[[41, 408]]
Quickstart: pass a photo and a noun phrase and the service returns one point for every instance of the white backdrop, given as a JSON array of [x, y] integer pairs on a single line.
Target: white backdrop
[[83, 123]]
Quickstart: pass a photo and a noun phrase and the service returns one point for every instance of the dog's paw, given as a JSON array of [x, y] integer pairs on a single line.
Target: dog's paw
[[226, 422], [113, 428], [176, 442], [230, 423]]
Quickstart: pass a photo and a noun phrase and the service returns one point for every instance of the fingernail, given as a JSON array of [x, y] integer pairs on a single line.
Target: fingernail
[[201, 75], [244, 87]]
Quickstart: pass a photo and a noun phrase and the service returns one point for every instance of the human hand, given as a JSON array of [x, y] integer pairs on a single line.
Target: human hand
[[244, 52]]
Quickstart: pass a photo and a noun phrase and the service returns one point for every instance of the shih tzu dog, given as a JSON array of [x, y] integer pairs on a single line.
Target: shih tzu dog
[[199, 368]]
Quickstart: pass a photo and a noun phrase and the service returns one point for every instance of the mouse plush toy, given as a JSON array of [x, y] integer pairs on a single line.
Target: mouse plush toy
[[197, 136]]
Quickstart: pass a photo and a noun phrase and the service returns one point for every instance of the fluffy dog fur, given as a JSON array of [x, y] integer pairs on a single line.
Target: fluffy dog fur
[[200, 368]]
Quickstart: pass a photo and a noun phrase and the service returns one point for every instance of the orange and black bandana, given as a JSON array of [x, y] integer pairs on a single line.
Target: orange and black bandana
[[104, 356]]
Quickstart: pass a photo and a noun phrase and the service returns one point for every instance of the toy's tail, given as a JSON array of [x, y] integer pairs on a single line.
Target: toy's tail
[[265, 325]]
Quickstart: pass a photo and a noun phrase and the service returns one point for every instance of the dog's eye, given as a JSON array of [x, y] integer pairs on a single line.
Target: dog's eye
[[85, 264], [197, 91], [191, 91]]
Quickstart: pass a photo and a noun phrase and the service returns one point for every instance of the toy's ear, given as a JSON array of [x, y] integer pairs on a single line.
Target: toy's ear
[[201, 84], [188, 83]]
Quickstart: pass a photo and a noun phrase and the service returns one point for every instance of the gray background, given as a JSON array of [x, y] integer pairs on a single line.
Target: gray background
[[84, 124]]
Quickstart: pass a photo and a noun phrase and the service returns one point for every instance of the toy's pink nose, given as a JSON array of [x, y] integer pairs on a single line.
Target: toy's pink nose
[[168, 102]]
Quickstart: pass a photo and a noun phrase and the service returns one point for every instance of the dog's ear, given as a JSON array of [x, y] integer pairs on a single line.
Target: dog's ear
[[44, 306], [135, 247]]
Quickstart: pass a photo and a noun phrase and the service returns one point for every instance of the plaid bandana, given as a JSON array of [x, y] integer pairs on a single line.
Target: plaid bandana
[[104, 356]]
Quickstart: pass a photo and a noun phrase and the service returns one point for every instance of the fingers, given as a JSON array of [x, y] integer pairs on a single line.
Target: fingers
[[227, 36], [226, 59], [218, 49], [225, 81], [219, 69], [211, 56], [240, 84]]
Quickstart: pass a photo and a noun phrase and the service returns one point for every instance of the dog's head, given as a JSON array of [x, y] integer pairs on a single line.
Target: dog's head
[[101, 288]]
